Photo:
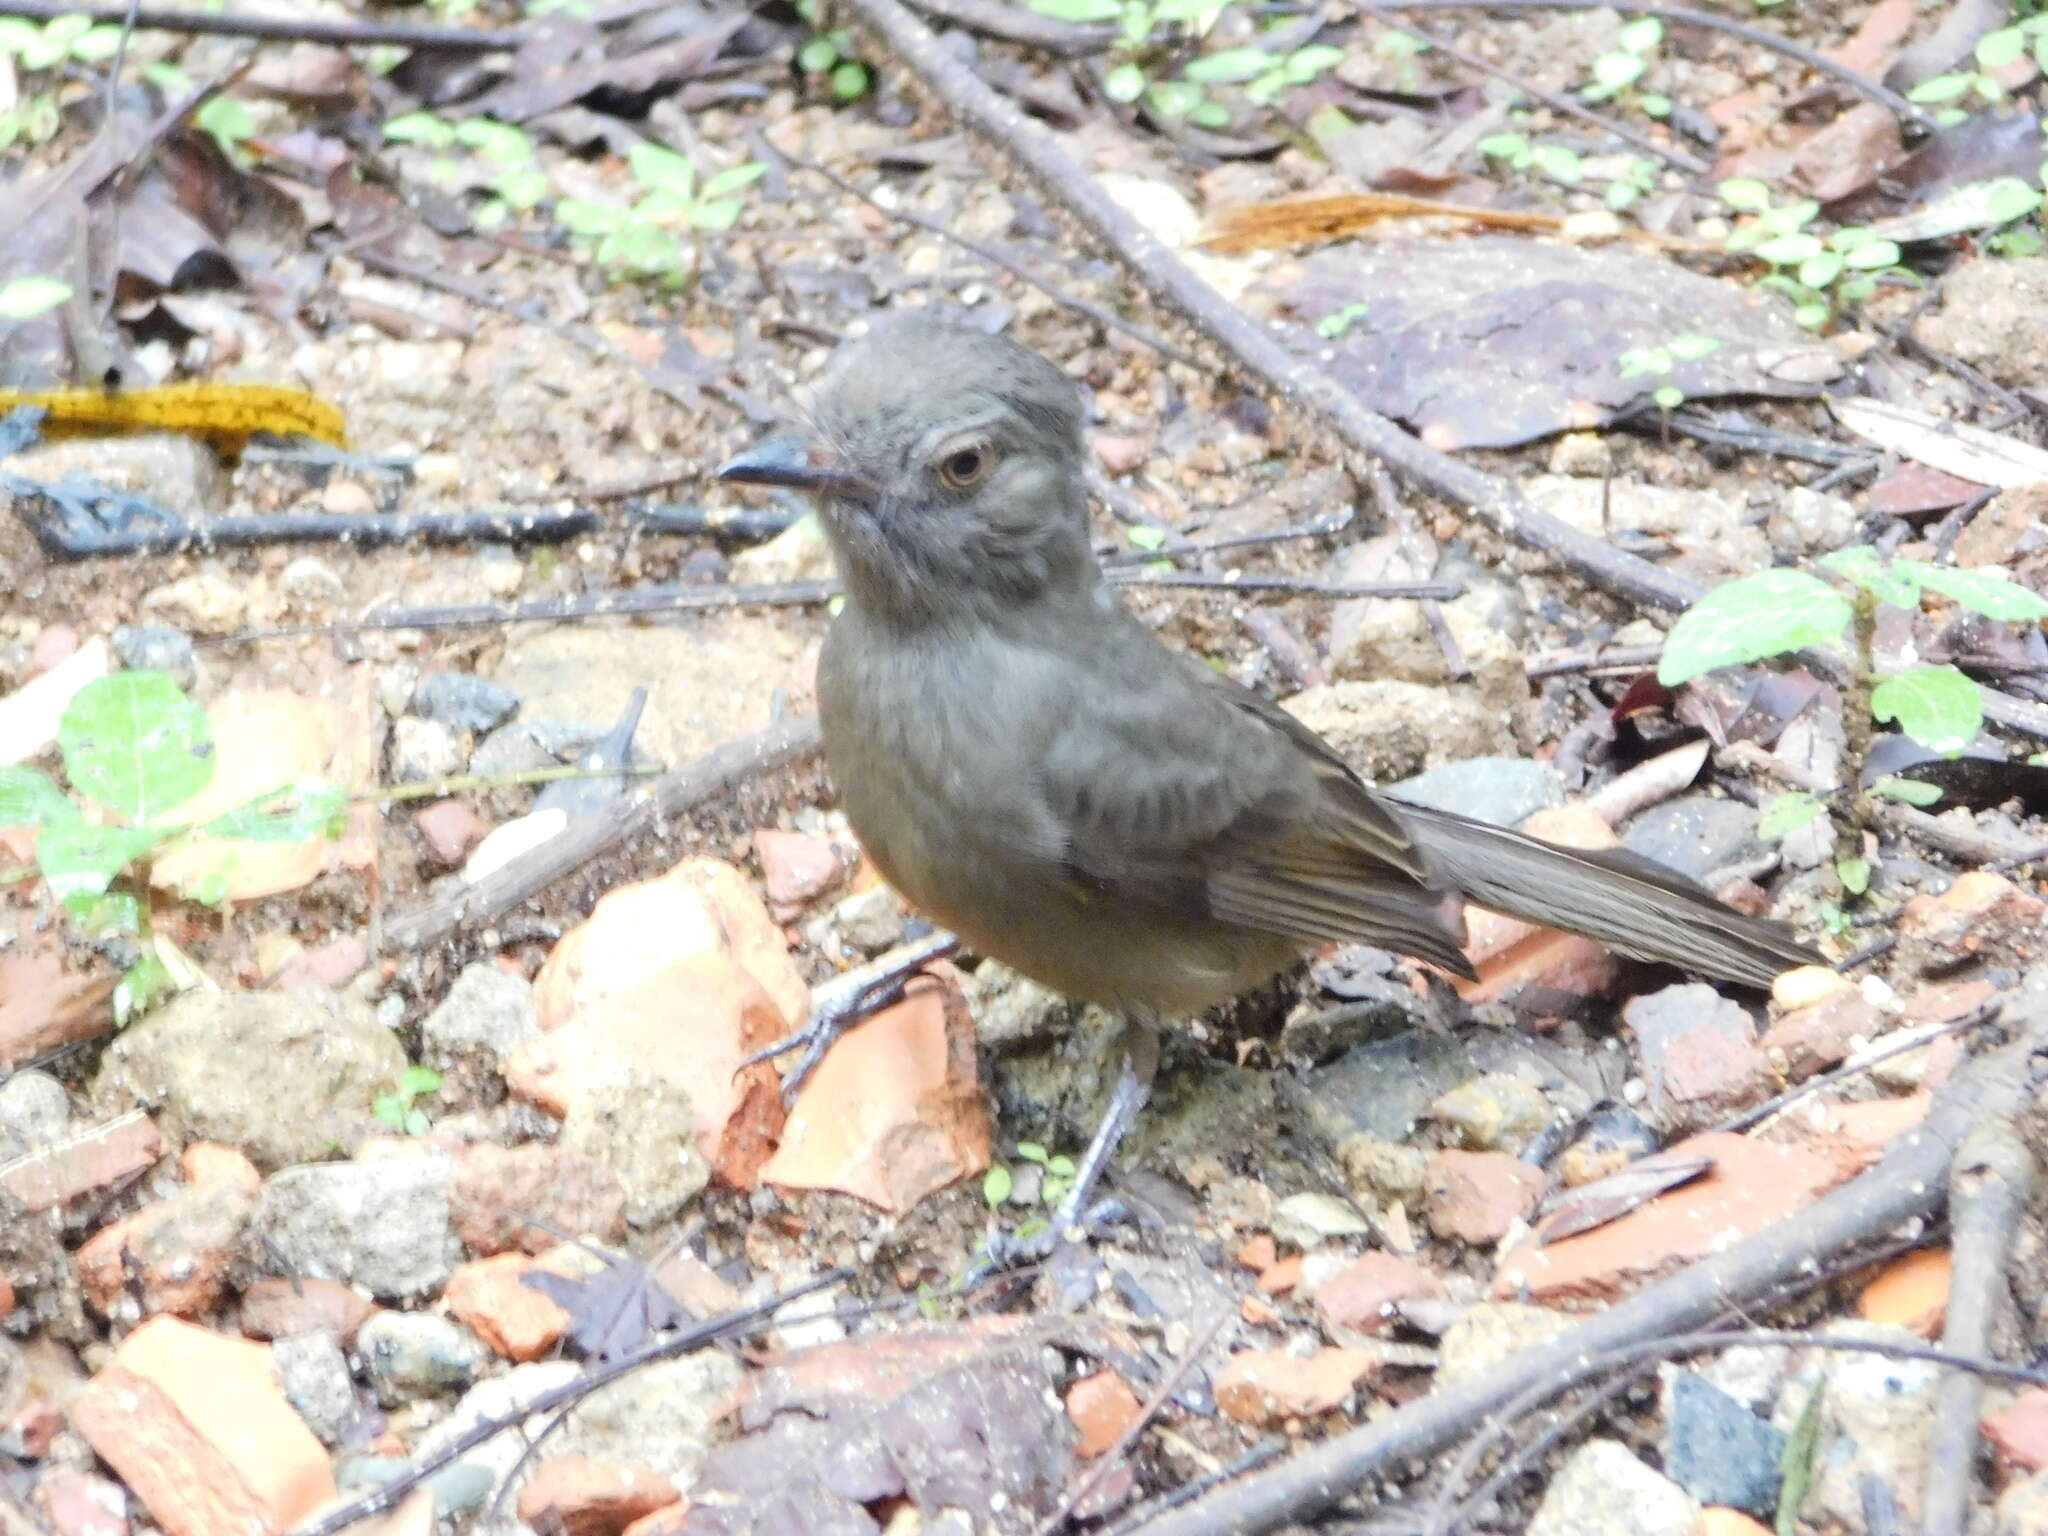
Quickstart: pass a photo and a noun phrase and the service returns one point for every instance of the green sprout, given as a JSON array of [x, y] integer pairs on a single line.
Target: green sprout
[[646, 239], [1617, 73], [399, 1109], [1553, 162], [1658, 362]]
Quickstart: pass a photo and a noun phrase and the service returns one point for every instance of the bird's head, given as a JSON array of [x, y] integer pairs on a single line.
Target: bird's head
[[947, 466]]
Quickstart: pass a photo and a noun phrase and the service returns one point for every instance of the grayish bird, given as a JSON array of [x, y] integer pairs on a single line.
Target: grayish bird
[[1033, 768]]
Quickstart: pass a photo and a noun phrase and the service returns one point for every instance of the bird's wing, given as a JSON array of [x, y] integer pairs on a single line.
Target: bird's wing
[[1198, 796]]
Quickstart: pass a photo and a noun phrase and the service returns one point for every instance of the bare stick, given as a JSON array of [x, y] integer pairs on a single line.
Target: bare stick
[[290, 29], [1908, 1183], [1992, 1182], [670, 796]]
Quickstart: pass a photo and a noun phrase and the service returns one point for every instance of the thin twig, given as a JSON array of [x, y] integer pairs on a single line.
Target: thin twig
[[1990, 1186], [1856, 1066], [291, 29], [1146, 1414], [1813, 59]]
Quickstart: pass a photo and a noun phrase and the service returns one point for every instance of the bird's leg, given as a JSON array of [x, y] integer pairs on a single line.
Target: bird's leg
[[1133, 1087], [845, 1001]]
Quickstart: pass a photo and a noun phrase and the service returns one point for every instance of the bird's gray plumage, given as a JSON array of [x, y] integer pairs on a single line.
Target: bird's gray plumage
[[1028, 763]]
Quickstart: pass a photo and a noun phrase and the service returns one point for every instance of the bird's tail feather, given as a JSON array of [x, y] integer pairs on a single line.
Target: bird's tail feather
[[1631, 904]]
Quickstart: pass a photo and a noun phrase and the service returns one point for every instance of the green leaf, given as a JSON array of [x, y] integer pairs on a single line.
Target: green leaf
[[1854, 875], [79, 860], [1655, 104], [1940, 89], [1819, 271], [1209, 114], [1078, 10], [1304, 64], [1811, 316], [655, 166], [717, 214], [1767, 614], [1785, 250], [817, 56], [1893, 582], [29, 798], [1642, 35], [1503, 146], [1981, 591], [500, 143], [146, 980], [1667, 397], [23, 298], [725, 183], [1173, 98], [389, 1108], [997, 1185], [417, 1123], [1140, 537], [1032, 1152], [1124, 84], [1689, 348], [1788, 813], [1559, 163], [1231, 64], [1997, 49], [1912, 791], [420, 128], [1875, 256], [1936, 706], [136, 744], [305, 810], [1745, 194], [1617, 71], [96, 45], [580, 216], [416, 1080]]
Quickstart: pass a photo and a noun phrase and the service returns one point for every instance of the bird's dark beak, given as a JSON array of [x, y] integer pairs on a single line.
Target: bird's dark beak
[[792, 461]]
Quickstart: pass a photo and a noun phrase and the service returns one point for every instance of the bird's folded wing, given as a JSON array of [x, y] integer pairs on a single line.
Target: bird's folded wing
[[1199, 797]]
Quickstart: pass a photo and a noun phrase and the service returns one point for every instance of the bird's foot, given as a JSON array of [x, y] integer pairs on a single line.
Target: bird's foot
[[1079, 1215], [845, 1001]]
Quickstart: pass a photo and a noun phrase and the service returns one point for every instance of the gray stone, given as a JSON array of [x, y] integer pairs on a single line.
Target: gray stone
[[486, 1013], [423, 750], [528, 744], [463, 702], [414, 1355], [314, 1374], [1388, 729], [872, 920], [664, 1416], [641, 1126], [285, 1076], [178, 473], [1604, 1490], [1493, 1331], [1717, 1450], [1505, 791], [1012, 1010], [1875, 1413], [1695, 834], [381, 1224], [157, 648], [1496, 1112], [1382, 1089], [312, 582], [35, 1110]]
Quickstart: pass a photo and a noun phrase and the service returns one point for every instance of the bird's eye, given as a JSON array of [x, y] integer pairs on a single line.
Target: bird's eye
[[967, 467]]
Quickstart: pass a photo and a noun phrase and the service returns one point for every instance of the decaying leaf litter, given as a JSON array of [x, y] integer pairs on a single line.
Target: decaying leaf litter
[[555, 282]]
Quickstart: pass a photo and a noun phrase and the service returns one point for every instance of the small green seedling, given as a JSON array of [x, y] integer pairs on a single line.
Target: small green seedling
[[1265, 75], [1657, 362], [1553, 162], [828, 54], [516, 182], [400, 1109], [647, 238], [1816, 274], [1777, 612], [1994, 51], [36, 111], [1618, 73], [999, 1185], [134, 749], [1145, 30], [1636, 180], [1338, 321]]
